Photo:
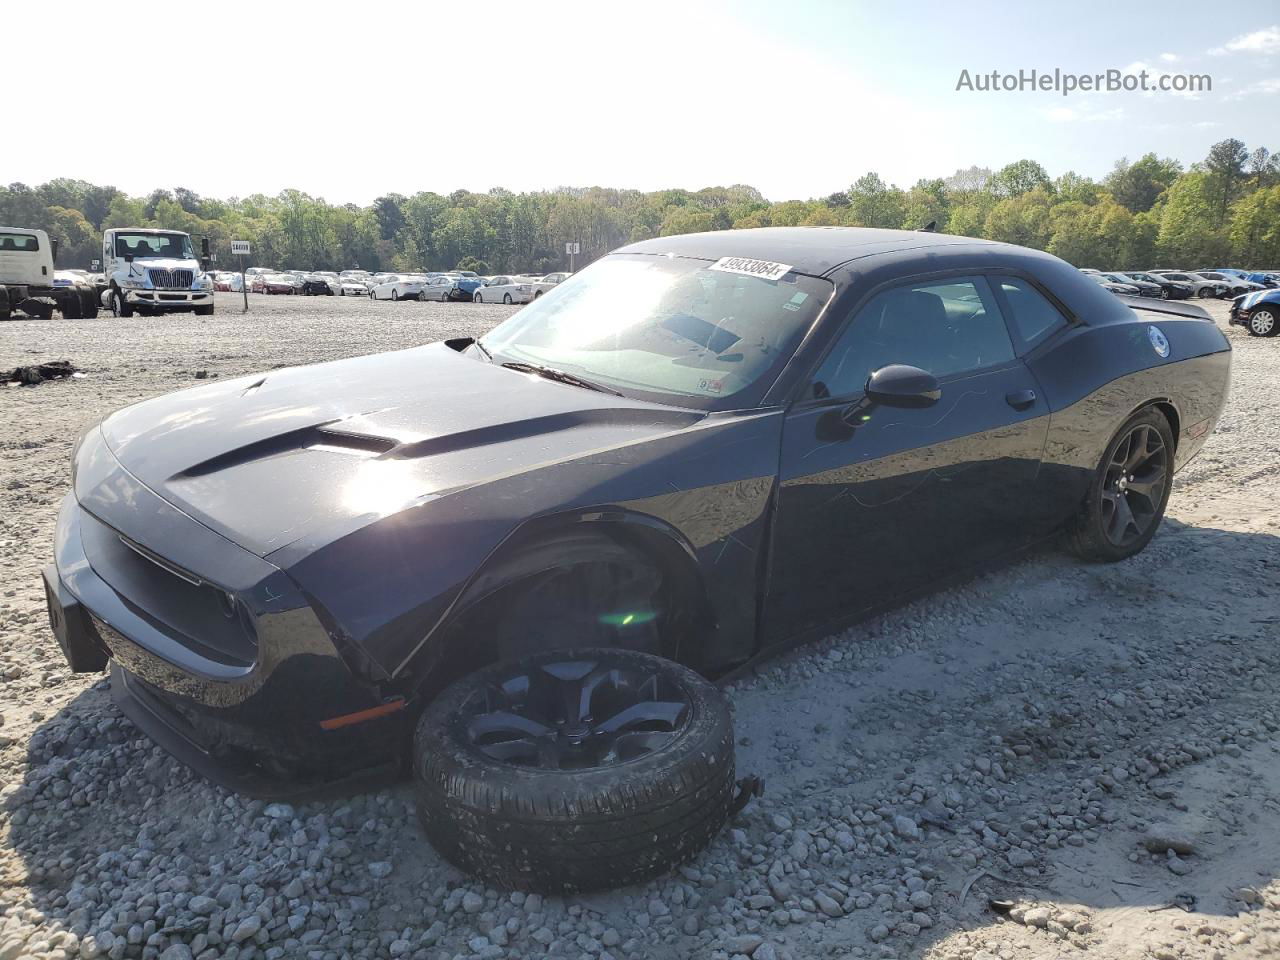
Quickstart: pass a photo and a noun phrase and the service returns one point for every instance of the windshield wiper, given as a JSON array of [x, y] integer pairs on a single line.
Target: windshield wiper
[[560, 376]]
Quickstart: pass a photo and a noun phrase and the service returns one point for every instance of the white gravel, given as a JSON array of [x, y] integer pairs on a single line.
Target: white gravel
[[1096, 746]]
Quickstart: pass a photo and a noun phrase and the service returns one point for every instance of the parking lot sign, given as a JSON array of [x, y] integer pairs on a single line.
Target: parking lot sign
[[240, 248], [573, 248]]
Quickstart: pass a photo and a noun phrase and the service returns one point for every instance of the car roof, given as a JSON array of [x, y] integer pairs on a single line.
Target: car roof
[[811, 250]]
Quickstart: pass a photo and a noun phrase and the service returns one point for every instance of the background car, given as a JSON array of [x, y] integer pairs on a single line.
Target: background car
[[1125, 289], [1169, 289], [503, 289], [545, 283], [274, 283], [398, 287], [1236, 285], [1201, 286], [1257, 312], [315, 286], [352, 287], [1145, 287], [438, 287]]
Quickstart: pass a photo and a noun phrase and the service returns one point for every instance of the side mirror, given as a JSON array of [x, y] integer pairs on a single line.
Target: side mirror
[[53, 245], [900, 385]]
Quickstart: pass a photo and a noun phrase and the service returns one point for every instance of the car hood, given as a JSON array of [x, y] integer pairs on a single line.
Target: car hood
[[319, 451]]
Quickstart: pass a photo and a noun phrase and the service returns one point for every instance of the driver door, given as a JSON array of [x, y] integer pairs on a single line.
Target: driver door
[[879, 501]]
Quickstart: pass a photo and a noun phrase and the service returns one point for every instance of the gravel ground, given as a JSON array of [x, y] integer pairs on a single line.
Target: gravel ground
[[1097, 747]]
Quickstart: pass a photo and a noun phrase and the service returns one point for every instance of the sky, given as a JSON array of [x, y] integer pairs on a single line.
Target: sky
[[350, 101]]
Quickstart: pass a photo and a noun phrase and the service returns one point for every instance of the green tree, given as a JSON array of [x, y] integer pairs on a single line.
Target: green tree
[[1019, 177], [1022, 219], [1225, 164], [1138, 185], [872, 203], [1190, 228]]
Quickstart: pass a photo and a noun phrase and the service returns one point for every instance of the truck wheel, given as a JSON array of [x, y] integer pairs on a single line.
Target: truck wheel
[[205, 311], [573, 770], [5, 313], [89, 303], [119, 306], [69, 304]]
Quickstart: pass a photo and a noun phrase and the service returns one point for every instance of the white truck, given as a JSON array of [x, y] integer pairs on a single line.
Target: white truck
[[154, 271], [30, 284]]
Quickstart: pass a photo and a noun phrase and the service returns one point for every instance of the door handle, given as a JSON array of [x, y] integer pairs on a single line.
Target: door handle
[[1020, 399]]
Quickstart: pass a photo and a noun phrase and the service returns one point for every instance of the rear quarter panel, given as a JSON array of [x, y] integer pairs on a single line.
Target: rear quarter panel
[[1095, 377]]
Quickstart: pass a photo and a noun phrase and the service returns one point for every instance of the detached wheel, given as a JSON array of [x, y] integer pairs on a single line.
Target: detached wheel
[[1129, 492], [574, 770], [1262, 323]]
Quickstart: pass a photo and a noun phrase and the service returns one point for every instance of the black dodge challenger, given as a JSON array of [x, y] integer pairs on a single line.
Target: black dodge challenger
[[510, 562]]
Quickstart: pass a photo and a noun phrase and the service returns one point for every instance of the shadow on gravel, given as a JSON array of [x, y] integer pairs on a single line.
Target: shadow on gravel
[[1130, 787]]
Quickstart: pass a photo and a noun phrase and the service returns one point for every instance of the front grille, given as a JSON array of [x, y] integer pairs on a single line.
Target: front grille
[[178, 603], [170, 279]]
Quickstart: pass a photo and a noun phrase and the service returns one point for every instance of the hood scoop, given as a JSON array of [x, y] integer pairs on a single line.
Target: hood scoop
[[321, 437]]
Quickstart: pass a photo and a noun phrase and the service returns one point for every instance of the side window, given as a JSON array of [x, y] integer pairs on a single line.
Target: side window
[[1033, 316], [942, 326]]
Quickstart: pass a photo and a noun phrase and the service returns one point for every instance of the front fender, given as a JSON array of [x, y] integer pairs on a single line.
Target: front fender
[[391, 585]]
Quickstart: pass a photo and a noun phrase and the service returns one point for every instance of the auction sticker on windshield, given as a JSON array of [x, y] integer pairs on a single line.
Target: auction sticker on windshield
[[764, 269]]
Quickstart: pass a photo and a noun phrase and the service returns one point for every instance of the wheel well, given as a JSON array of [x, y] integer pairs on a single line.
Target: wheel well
[[462, 644], [1171, 414]]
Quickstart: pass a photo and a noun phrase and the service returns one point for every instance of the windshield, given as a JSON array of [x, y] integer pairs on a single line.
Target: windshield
[[138, 245], [670, 326]]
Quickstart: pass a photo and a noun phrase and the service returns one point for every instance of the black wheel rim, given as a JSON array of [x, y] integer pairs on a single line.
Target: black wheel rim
[[1134, 485], [574, 714]]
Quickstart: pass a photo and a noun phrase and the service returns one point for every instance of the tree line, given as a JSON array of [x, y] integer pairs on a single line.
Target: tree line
[[1148, 212]]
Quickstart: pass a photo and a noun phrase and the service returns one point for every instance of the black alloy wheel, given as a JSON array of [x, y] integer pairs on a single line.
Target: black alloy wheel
[[574, 714], [574, 769], [1133, 490]]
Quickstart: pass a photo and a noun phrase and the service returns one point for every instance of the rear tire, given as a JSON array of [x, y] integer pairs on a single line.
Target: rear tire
[[574, 803], [89, 304], [506, 298], [69, 305], [1263, 323], [1129, 491]]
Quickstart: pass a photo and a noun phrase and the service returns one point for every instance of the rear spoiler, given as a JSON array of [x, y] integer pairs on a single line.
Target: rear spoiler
[[1174, 307]]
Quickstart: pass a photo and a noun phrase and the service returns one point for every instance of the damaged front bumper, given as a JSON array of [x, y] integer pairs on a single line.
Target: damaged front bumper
[[248, 699]]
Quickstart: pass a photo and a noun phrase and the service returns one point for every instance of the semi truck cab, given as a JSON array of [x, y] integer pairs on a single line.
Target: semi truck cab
[[151, 271]]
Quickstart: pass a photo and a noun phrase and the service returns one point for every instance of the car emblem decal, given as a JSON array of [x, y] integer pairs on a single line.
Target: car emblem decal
[[1159, 342]]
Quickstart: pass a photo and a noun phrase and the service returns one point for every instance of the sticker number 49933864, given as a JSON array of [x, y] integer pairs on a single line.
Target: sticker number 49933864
[[764, 269]]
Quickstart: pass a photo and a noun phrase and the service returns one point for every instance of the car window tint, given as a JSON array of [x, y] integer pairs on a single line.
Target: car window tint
[[944, 327], [1033, 316]]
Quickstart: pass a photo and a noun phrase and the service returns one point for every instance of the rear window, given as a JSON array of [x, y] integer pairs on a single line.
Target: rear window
[[19, 243]]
